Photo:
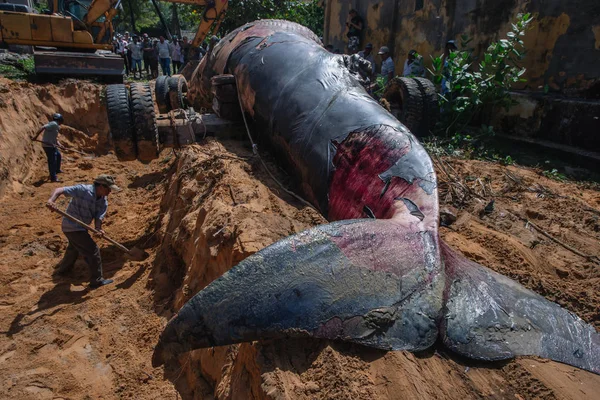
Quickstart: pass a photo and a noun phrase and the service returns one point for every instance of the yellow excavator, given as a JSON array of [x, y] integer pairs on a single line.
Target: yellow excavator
[[75, 36]]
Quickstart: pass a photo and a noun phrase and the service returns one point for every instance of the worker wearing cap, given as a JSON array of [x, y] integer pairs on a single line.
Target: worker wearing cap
[[413, 66], [367, 54], [50, 144], [88, 202], [387, 64]]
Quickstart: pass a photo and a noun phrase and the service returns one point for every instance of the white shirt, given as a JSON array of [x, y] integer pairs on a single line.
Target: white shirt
[[176, 52], [136, 50], [122, 46]]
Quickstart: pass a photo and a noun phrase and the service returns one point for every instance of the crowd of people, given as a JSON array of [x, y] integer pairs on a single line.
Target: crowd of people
[[413, 65], [145, 54]]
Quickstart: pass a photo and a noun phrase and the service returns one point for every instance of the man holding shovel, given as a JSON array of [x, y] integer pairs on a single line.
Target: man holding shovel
[[50, 144], [88, 202]]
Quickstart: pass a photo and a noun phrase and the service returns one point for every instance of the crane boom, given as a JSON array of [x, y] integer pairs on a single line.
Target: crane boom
[[212, 16]]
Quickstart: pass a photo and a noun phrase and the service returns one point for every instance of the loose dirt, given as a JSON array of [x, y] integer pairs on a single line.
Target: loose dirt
[[200, 211]]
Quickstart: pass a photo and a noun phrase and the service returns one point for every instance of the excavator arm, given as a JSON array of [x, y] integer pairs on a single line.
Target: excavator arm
[[99, 8], [213, 15], [214, 12]]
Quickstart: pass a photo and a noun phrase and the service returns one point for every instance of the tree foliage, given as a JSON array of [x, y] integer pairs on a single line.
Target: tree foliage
[[239, 12], [468, 89], [144, 14]]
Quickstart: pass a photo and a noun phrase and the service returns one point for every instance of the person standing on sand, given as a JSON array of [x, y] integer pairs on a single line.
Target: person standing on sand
[[88, 202], [51, 144], [164, 55]]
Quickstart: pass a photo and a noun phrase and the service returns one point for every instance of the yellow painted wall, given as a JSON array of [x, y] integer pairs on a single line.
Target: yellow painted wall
[[563, 43]]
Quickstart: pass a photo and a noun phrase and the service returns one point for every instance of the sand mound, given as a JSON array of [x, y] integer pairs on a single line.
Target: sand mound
[[25, 107], [219, 209], [200, 211]]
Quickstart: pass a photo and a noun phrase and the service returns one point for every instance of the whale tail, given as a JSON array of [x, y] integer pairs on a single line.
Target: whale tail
[[347, 280], [383, 285], [491, 317]]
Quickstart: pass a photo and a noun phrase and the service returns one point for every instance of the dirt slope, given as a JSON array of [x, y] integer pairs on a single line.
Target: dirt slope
[[226, 209], [60, 340], [199, 212], [25, 107]]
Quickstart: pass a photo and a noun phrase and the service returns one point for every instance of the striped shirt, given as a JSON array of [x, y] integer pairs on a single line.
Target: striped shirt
[[84, 206]]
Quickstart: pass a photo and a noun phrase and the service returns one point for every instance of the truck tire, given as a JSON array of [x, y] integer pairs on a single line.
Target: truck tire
[[405, 95], [161, 91], [177, 90], [120, 122], [431, 108], [144, 118]]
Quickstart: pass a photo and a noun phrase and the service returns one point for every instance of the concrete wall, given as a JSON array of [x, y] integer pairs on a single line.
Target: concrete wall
[[563, 43], [28, 3]]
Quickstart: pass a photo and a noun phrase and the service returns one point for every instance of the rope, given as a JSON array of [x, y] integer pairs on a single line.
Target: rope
[[255, 151]]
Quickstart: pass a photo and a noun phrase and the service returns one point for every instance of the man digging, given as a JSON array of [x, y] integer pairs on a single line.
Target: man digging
[[88, 202], [50, 144]]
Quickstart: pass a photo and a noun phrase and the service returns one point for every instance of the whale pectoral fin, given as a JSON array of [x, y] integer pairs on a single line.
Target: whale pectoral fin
[[490, 317], [365, 281]]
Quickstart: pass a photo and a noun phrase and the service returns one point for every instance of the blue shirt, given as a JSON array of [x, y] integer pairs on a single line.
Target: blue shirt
[[84, 206], [387, 66]]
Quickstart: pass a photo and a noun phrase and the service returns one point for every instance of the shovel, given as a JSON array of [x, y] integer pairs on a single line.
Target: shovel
[[67, 149], [135, 253]]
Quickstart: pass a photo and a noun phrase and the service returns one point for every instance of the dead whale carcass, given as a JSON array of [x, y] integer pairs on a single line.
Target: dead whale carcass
[[379, 276]]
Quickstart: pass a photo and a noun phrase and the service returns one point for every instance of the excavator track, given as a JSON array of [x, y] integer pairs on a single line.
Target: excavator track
[[107, 64]]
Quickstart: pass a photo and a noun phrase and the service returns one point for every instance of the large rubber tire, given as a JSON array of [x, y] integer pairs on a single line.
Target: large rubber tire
[[144, 118], [431, 108], [161, 91], [120, 122], [177, 90], [406, 93]]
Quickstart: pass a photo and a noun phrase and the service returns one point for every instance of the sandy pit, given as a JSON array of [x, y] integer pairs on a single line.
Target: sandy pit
[[199, 211]]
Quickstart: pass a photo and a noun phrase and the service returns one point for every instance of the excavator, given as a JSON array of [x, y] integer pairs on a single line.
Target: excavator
[[79, 33]]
